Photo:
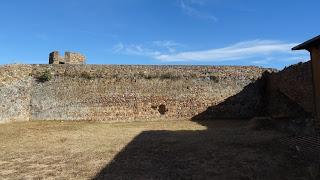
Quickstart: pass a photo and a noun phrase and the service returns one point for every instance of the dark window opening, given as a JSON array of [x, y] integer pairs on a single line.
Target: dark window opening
[[162, 109]]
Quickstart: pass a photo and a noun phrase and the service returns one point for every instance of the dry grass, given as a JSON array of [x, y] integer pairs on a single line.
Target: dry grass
[[164, 149], [68, 149]]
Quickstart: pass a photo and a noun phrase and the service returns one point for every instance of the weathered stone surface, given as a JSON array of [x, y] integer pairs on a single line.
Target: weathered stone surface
[[118, 93], [287, 94], [290, 92], [15, 90], [69, 58]]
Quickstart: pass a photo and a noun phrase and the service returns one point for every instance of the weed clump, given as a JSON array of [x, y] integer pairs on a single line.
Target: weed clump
[[45, 76], [169, 76], [163, 76], [86, 75], [214, 78]]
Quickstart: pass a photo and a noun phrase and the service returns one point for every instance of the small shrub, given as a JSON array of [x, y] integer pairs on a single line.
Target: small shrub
[[45, 76], [99, 75], [193, 76], [115, 76], [140, 75], [150, 76], [214, 78], [166, 76], [145, 76], [86, 75], [169, 76]]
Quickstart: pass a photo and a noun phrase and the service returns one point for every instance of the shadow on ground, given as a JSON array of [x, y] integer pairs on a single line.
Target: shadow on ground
[[228, 149]]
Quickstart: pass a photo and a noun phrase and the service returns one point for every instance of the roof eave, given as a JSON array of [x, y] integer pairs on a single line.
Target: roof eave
[[308, 44], [299, 47]]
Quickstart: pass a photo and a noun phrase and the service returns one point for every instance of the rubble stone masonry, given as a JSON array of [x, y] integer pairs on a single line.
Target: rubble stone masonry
[[69, 58], [290, 92], [145, 93], [117, 92]]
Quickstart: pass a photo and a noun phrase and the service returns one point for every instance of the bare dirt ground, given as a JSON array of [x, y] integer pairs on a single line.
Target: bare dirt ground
[[143, 150]]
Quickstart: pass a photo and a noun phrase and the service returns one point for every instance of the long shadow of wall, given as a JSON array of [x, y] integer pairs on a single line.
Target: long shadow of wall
[[281, 95], [227, 149], [246, 104], [290, 92]]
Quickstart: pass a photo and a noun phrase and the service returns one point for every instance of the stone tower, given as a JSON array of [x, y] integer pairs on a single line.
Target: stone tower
[[69, 58]]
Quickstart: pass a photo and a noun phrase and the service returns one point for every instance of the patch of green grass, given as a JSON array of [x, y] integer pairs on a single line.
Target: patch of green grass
[[214, 78], [86, 75], [45, 76], [162, 76]]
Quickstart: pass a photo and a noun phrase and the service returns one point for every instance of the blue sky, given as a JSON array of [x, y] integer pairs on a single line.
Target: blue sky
[[206, 32]]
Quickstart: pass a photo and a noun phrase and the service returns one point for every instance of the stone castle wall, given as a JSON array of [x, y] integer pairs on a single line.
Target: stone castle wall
[[15, 90], [74, 58], [133, 93], [290, 92], [286, 94], [68, 58], [117, 93]]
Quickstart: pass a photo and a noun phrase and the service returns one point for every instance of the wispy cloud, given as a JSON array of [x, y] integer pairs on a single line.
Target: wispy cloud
[[242, 50], [257, 52], [171, 46], [189, 7], [134, 49], [151, 49]]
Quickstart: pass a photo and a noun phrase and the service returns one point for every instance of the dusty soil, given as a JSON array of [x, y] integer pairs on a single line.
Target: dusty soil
[[143, 150]]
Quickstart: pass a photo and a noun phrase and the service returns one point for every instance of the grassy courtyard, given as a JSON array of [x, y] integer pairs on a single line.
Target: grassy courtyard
[[143, 150]]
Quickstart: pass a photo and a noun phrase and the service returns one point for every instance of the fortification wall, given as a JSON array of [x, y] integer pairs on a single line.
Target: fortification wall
[[74, 58], [68, 58], [121, 93], [126, 93], [285, 94], [15, 90], [290, 92]]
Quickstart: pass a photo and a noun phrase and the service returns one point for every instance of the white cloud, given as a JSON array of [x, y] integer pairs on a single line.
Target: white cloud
[[297, 58], [188, 7], [118, 47], [242, 50], [134, 49], [280, 61], [171, 46], [166, 43], [258, 52]]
